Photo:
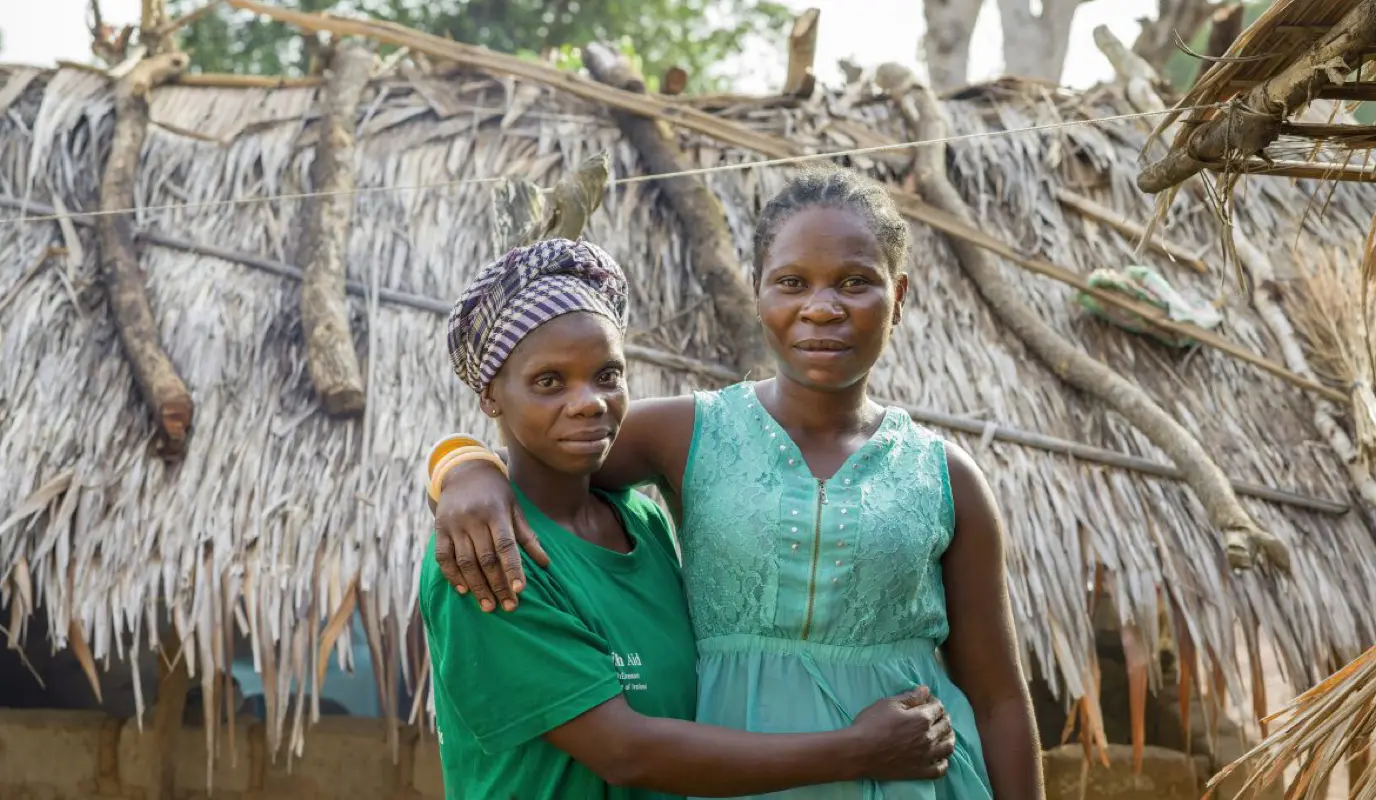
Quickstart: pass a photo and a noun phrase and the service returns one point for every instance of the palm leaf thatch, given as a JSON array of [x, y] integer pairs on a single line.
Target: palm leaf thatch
[[279, 520], [1318, 730]]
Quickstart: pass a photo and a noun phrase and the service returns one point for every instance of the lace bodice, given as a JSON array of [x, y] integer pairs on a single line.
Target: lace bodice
[[770, 550]]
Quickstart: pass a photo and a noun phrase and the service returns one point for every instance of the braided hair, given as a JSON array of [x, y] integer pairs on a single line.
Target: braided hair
[[840, 189]]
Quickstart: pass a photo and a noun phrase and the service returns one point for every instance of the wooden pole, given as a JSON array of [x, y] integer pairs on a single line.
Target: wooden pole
[[802, 52], [1246, 128], [709, 240], [330, 352], [1092, 210], [174, 681], [161, 386]]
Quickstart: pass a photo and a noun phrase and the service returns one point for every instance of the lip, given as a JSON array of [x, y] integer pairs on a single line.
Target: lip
[[822, 348], [589, 442]]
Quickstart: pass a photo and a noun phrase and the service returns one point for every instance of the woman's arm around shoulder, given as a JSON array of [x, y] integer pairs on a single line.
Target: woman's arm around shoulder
[[982, 651], [566, 690], [653, 443]]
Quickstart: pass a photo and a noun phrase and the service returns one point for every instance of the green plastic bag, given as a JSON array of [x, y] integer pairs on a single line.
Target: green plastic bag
[[1147, 285]]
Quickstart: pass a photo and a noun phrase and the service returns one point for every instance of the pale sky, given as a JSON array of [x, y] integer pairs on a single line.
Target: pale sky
[[39, 32]]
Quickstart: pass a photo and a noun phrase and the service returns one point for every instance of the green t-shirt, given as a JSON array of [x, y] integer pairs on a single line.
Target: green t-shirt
[[593, 625]]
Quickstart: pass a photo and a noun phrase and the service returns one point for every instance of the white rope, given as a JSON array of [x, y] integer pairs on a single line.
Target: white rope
[[771, 162]]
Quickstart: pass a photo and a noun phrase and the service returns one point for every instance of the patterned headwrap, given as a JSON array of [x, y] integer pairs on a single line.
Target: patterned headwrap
[[523, 290]]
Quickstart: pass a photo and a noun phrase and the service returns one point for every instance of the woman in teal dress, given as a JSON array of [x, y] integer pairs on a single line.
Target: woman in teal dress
[[834, 551]]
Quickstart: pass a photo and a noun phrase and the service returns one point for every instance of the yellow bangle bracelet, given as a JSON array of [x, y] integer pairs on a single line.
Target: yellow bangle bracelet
[[447, 445], [452, 454], [437, 482], [449, 459]]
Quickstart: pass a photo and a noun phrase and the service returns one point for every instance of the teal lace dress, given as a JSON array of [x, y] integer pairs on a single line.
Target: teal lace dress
[[811, 600]]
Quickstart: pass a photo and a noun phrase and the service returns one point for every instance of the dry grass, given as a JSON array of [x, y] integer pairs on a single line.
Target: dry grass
[[1317, 732], [1332, 308], [280, 518]]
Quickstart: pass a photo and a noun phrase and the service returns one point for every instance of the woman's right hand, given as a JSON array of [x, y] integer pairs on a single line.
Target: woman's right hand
[[480, 533], [907, 737]]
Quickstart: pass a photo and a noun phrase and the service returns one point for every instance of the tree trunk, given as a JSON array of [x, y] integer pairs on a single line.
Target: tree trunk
[[1156, 41], [946, 42], [704, 223], [330, 350], [162, 388], [1243, 539], [1035, 44]]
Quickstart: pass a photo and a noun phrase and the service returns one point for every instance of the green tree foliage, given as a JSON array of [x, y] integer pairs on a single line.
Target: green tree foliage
[[697, 35], [1182, 68]]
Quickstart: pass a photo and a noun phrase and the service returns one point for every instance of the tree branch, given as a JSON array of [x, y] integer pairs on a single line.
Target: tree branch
[[330, 352], [704, 222], [162, 388]]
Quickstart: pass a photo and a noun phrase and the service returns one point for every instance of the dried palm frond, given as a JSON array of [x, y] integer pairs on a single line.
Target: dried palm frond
[[1317, 731], [1333, 312]]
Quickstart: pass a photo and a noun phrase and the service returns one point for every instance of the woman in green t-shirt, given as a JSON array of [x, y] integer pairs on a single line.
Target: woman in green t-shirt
[[588, 689]]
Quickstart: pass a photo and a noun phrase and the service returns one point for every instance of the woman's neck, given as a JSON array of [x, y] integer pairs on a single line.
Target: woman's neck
[[562, 497], [809, 410]]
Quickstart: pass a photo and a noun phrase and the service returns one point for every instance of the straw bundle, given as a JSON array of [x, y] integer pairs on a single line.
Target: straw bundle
[[1317, 731], [1333, 312]]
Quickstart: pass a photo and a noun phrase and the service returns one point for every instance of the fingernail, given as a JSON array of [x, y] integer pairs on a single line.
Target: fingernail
[[486, 605], [517, 586], [508, 605], [461, 589]]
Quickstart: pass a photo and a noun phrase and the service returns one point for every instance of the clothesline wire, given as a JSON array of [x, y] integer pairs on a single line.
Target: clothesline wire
[[769, 162]]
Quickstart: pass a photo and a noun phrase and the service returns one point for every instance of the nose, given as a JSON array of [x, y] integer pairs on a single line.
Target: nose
[[587, 400], [822, 307]]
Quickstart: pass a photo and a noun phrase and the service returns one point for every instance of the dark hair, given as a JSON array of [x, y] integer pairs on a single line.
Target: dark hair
[[840, 189]]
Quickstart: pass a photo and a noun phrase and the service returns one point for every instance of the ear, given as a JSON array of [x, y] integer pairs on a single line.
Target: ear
[[488, 403], [900, 293]]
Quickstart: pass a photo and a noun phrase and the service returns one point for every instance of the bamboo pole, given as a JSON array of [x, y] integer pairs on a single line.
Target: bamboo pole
[[1267, 296], [1092, 210]]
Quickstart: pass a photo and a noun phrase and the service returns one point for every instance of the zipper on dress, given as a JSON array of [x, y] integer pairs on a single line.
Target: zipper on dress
[[816, 554]]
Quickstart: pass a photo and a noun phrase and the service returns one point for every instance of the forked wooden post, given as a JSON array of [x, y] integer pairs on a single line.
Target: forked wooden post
[[521, 215], [174, 680]]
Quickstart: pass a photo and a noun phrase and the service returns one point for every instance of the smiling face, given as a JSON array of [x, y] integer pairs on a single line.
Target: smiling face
[[828, 298], [561, 395]]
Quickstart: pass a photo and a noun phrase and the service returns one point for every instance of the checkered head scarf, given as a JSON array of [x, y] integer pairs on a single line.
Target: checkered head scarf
[[523, 290]]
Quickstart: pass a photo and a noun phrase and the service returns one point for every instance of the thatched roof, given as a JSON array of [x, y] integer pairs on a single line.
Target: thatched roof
[[277, 511], [1258, 99], [1279, 38]]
